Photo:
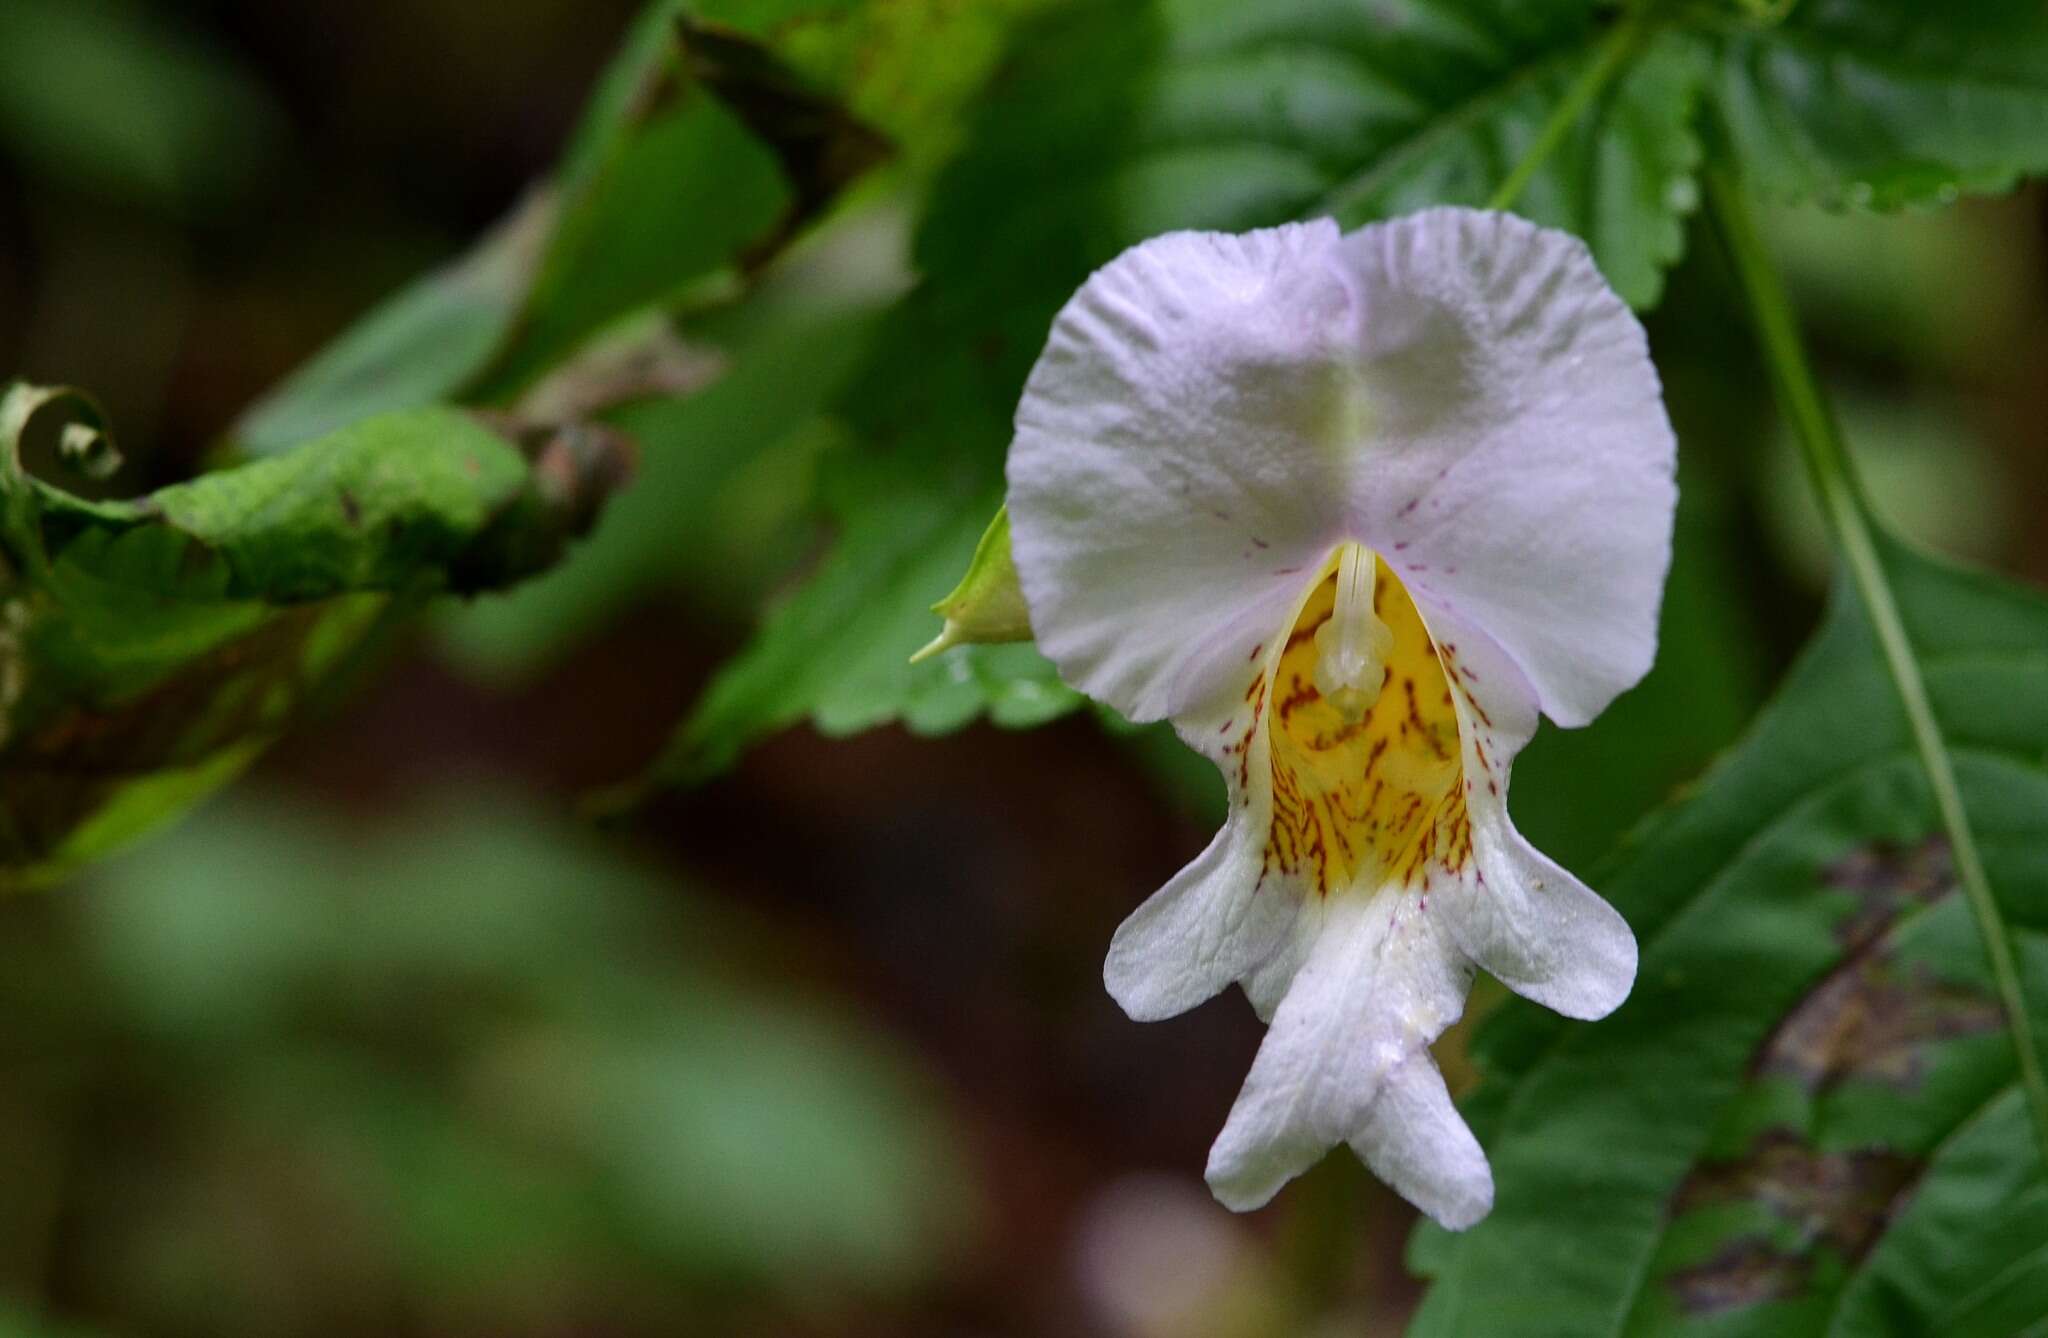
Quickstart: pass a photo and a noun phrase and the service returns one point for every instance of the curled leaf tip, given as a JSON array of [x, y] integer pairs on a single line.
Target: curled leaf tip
[[61, 426], [88, 451]]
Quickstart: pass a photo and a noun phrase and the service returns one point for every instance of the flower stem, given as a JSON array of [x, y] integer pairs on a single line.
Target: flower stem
[[1619, 44], [1848, 513]]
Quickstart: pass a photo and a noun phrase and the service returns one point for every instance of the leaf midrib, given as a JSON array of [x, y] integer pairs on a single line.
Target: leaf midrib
[[1362, 185]]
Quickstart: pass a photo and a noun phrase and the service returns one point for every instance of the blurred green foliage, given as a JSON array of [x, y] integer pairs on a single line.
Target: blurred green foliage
[[111, 97], [717, 506], [471, 1061]]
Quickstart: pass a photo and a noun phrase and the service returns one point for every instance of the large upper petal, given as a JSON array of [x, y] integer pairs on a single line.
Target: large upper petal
[[1516, 462], [1175, 475]]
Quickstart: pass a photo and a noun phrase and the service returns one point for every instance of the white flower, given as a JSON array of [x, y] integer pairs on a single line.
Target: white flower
[[1350, 510]]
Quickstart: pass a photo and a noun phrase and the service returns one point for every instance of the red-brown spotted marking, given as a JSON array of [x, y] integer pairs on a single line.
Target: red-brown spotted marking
[[1382, 798]]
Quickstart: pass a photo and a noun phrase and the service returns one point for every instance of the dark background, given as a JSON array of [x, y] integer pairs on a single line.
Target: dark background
[[385, 1041]]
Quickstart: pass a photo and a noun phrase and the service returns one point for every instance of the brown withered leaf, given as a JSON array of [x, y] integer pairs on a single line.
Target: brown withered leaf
[[1873, 1020], [1839, 1200]]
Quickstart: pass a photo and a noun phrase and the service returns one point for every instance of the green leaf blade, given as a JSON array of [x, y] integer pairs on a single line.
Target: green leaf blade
[[1886, 103], [834, 651], [1736, 1159], [150, 648], [677, 203], [418, 346], [1623, 179]]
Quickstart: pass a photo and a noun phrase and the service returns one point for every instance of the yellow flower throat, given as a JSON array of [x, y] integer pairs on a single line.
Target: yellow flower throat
[[1368, 778]]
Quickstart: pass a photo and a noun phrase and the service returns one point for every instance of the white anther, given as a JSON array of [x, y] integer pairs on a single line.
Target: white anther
[[1352, 647]]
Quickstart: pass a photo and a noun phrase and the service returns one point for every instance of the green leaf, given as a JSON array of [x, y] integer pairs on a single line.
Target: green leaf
[[676, 202], [1114, 123], [421, 345], [701, 157], [1886, 102], [688, 521], [1839, 1144], [836, 651], [1204, 113], [148, 648], [906, 67], [1623, 178]]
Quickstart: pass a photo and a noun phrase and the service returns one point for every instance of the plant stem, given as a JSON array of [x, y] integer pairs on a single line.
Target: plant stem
[[1618, 46], [1848, 513]]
